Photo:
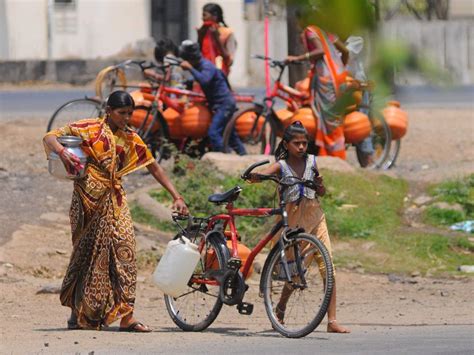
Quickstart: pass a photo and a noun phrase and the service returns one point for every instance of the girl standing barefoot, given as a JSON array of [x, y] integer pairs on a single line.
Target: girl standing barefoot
[[303, 205]]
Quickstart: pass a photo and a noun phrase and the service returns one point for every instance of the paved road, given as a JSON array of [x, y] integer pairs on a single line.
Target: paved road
[[364, 340], [36, 103], [42, 103]]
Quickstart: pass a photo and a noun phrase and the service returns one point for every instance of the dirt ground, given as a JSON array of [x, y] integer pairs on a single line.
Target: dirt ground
[[35, 248]]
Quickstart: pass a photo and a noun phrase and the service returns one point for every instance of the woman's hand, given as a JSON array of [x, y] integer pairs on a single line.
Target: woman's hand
[[186, 65], [71, 161], [292, 59], [253, 178], [320, 189], [180, 206]]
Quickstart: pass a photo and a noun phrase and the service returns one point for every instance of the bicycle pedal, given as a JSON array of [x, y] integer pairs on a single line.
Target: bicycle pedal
[[245, 308], [234, 264]]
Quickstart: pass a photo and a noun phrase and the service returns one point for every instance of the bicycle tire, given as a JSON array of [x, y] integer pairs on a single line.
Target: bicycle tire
[[74, 110], [255, 141], [178, 316], [108, 80], [381, 137], [395, 147], [272, 272], [156, 140]]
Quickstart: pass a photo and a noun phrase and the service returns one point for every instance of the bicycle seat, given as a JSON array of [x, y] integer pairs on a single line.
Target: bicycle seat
[[228, 196]]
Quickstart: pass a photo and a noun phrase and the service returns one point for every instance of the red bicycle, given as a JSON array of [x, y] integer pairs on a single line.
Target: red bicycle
[[260, 125], [297, 272], [163, 114]]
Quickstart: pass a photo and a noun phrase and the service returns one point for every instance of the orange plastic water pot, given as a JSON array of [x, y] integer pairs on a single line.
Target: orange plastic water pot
[[356, 127], [173, 120], [245, 123], [305, 115], [142, 98], [195, 121], [396, 118], [242, 250], [139, 115]]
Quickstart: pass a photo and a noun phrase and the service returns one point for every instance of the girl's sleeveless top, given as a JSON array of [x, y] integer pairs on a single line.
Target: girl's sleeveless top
[[296, 192]]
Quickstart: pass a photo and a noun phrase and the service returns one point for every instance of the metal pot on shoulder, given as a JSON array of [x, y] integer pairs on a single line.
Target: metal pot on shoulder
[[55, 164]]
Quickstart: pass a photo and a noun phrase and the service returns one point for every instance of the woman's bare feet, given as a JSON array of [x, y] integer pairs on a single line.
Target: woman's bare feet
[[334, 327]]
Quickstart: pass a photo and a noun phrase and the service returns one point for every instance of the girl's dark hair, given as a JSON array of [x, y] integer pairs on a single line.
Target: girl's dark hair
[[293, 129], [163, 47], [119, 99], [215, 10]]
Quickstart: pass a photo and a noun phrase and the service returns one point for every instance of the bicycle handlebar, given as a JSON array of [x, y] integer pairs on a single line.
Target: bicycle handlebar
[[245, 175], [287, 181], [275, 63], [144, 64]]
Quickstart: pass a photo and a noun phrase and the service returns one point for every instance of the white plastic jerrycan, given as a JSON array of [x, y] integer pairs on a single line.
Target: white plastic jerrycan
[[176, 266]]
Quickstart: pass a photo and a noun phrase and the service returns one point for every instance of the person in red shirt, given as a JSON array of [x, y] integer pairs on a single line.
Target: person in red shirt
[[216, 39]]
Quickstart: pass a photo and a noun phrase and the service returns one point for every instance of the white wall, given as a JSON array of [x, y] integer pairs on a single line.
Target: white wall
[[103, 28], [277, 48], [3, 30], [447, 44], [234, 18], [461, 9], [95, 28], [26, 32]]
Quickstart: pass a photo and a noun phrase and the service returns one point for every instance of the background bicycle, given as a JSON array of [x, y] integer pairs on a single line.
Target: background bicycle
[[260, 125]]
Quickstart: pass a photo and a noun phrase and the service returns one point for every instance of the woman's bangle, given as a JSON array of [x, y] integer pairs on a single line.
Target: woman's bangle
[[178, 198], [307, 55], [61, 151]]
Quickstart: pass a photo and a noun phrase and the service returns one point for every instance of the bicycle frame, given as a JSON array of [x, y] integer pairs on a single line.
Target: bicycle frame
[[292, 97], [229, 221], [163, 97]]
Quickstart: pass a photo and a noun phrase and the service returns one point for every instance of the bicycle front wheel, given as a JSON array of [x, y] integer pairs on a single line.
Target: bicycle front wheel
[[392, 154], [199, 306], [74, 110], [381, 139], [296, 308]]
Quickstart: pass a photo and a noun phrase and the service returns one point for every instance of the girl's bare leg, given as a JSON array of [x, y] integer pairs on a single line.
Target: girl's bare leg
[[333, 325]]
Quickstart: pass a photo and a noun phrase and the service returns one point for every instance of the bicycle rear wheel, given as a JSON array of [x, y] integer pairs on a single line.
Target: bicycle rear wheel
[[296, 309], [381, 138], [199, 306], [392, 154], [108, 80], [74, 110], [258, 134], [156, 140]]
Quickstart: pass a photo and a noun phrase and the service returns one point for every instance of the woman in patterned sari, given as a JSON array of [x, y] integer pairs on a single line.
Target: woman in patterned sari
[[327, 64], [100, 281]]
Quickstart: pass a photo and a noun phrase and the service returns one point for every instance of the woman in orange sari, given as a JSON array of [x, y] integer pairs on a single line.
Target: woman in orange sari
[[216, 39], [100, 281], [328, 76]]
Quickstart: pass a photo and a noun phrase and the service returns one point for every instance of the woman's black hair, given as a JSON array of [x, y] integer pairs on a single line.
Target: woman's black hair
[[119, 99], [281, 153], [163, 47], [215, 10]]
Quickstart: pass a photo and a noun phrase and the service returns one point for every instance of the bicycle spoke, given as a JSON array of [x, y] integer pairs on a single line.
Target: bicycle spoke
[[302, 303], [197, 308]]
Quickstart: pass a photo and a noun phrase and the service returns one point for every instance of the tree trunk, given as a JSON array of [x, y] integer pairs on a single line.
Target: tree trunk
[[295, 47]]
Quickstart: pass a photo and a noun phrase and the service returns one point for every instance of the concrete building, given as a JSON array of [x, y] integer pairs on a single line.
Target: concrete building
[[66, 29], [91, 29]]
